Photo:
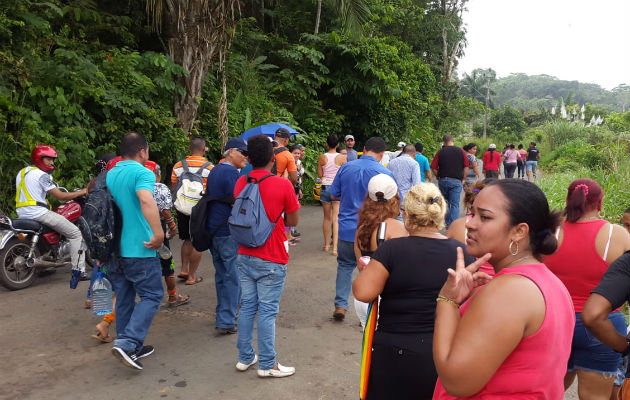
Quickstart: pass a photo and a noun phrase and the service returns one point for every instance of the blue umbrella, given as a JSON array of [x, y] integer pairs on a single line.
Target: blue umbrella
[[267, 129]]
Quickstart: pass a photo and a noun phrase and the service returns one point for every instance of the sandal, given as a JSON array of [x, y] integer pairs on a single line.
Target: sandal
[[179, 301], [196, 281], [102, 339], [326, 248], [334, 252], [183, 277]]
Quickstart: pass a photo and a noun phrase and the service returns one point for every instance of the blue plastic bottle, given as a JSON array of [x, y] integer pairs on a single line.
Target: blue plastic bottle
[[102, 295]]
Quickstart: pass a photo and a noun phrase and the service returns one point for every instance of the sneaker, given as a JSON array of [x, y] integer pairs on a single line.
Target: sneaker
[[129, 358], [281, 372], [295, 233], [243, 367], [227, 331], [145, 351]]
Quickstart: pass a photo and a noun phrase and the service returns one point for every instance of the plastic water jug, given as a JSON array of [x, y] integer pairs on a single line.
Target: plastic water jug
[[102, 302]]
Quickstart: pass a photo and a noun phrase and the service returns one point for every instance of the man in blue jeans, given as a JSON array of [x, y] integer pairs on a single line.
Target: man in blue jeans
[[450, 166], [263, 270], [224, 248], [139, 272], [350, 187]]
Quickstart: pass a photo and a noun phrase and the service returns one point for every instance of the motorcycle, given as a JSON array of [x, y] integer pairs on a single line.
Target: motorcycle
[[23, 253]]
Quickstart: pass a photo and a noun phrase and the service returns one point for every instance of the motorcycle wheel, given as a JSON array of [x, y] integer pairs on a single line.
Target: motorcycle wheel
[[14, 274]]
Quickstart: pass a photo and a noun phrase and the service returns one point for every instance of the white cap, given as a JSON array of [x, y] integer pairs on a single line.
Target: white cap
[[402, 144], [492, 146], [382, 187], [348, 137]]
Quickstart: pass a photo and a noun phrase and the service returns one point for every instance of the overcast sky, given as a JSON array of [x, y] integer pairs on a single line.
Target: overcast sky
[[582, 40]]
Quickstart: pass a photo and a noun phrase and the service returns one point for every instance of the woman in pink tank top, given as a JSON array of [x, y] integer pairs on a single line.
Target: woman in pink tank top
[[587, 246], [327, 166], [511, 337]]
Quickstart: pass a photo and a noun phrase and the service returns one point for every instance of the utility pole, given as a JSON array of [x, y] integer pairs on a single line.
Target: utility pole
[[485, 115]]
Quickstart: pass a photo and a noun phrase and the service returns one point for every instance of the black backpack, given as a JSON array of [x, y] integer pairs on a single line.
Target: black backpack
[[274, 168], [101, 222], [200, 237]]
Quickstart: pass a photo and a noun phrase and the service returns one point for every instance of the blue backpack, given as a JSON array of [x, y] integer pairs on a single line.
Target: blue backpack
[[249, 224]]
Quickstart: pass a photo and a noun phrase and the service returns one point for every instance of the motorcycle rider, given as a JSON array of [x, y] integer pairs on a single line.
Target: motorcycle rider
[[33, 183]]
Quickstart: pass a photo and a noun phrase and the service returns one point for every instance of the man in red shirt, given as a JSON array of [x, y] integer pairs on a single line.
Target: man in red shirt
[[263, 269]]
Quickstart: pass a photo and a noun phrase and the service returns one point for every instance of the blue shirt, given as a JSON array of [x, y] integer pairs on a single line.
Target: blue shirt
[[221, 183], [350, 185], [424, 165], [123, 181], [352, 155], [406, 172]]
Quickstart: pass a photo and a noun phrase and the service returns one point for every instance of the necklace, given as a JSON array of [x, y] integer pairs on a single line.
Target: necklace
[[426, 233], [511, 264]]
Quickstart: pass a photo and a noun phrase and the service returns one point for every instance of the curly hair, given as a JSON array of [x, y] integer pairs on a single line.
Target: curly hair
[[373, 213], [424, 207]]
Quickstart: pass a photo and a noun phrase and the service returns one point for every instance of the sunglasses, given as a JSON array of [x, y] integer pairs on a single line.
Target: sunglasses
[[243, 152]]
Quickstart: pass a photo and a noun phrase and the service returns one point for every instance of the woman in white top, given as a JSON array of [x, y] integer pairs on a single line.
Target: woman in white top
[[327, 166]]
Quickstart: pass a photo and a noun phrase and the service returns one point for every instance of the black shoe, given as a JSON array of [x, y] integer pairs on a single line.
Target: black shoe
[[146, 351], [84, 277], [296, 233], [227, 331], [129, 358]]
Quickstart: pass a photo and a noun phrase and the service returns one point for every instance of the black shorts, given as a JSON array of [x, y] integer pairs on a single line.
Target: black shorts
[[183, 226], [168, 266]]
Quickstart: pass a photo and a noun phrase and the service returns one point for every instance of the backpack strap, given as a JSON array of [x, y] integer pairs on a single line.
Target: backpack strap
[[254, 180], [185, 165], [279, 150]]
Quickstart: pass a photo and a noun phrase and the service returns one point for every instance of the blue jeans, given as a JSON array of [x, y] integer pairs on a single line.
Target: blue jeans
[[589, 354], [141, 277], [451, 189], [262, 283], [224, 251], [346, 263]]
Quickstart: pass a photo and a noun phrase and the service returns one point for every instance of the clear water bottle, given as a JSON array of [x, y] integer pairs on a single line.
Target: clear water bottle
[[102, 302], [164, 253]]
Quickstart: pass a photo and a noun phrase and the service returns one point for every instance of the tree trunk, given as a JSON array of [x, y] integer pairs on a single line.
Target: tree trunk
[[452, 16], [319, 14], [222, 118], [198, 32]]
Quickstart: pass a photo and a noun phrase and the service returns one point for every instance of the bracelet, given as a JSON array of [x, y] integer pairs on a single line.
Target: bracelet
[[447, 300], [170, 221]]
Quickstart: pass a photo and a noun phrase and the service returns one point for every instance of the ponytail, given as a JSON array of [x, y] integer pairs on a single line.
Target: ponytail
[[582, 195]]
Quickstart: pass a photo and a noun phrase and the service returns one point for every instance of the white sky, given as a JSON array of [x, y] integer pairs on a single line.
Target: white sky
[[582, 40]]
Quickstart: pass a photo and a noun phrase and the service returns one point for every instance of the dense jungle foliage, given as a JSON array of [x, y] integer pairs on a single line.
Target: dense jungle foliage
[[78, 74]]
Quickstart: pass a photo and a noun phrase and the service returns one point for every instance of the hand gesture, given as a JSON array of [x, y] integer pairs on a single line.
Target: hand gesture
[[463, 280]]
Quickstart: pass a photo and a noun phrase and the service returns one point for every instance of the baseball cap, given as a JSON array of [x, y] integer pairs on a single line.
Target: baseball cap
[[492, 146], [402, 144], [283, 133], [382, 187], [348, 137], [236, 143]]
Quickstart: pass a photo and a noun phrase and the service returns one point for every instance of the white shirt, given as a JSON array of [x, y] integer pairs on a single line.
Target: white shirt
[[38, 183]]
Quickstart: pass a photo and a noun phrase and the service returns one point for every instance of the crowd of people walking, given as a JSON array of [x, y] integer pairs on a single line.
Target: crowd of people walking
[[510, 300]]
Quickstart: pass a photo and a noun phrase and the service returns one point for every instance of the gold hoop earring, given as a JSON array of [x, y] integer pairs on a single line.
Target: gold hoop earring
[[512, 252]]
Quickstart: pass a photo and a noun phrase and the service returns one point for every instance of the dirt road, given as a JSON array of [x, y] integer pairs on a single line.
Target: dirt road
[[47, 351]]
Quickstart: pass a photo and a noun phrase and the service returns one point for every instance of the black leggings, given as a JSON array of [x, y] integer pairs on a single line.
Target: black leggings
[[398, 372], [509, 170]]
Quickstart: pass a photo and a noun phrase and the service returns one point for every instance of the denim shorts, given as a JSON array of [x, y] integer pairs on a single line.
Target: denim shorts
[[324, 195], [531, 165], [589, 354]]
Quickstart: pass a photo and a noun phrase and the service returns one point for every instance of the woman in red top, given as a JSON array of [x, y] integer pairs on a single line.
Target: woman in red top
[[512, 337], [587, 246], [491, 161]]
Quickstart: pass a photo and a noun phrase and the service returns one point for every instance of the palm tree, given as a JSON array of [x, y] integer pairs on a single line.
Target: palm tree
[[199, 34], [353, 13]]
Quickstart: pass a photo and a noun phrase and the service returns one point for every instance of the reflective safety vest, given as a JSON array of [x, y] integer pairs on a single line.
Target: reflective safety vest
[[22, 189]]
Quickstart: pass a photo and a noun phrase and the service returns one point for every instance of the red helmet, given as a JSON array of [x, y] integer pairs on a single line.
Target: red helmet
[[40, 151]]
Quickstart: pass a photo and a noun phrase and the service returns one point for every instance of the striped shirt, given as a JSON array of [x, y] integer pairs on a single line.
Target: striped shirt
[[194, 162]]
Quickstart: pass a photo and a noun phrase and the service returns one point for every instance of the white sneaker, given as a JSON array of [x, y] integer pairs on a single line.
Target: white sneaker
[[281, 372], [243, 367]]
